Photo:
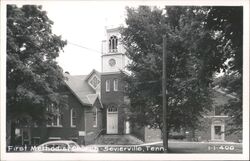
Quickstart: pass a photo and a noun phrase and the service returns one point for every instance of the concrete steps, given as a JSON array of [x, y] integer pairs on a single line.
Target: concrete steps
[[118, 140]]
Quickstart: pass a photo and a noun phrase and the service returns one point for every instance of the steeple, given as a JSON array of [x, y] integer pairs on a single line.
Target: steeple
[[113, 57]]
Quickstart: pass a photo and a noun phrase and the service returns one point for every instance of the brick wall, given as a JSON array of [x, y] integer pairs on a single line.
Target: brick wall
[[114, 97], [93, 129], [66, 131]]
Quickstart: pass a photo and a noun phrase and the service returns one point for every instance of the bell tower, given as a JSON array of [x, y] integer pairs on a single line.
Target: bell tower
[[112, 85], [113, 57]]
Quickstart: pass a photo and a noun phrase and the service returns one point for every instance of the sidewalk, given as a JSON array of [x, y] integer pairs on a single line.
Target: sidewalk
[[202, 142], [159, 143]]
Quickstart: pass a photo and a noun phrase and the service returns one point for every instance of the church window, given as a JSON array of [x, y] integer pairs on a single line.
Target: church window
[[94, 82], [113, 42], [112, 62], [56, 119], [115, 84], [107, 85], [73, 118], [95, 117], [112, 109]]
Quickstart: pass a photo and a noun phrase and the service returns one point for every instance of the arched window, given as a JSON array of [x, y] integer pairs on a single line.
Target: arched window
[[113, 41], [112, 109]]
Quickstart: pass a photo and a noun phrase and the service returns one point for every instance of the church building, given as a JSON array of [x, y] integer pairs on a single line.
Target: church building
[[98, 106], [112, 86]]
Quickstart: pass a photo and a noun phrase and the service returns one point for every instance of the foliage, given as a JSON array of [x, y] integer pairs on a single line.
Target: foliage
[[192, 58], [228, 23], [33, 75], [233, 108]]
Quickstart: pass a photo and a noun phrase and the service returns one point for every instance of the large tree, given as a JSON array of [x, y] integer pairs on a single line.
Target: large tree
[[192, 59], [33, 75], [227, 23]]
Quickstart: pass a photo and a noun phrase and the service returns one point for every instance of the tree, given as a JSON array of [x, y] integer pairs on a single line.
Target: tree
[[191, 62], [227, 22], [33, 75]]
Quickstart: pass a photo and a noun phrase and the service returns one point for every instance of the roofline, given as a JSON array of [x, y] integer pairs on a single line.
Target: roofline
[[226, 94], [113, 28], [110, 73], [117, 72], [96, 99], [100, 101], [84, 104], [89, 75], [108, 53]]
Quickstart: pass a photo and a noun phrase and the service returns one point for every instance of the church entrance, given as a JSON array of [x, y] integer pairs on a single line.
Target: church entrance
[[112, 120], [217, 131]]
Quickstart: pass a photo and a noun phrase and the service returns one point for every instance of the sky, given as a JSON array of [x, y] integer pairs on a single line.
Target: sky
[[83, 24]]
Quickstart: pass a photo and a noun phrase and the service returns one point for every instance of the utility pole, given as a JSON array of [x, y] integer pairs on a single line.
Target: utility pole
[[164, 97]]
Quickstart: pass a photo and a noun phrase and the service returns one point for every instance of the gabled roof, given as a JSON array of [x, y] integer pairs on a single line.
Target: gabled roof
[[225, 92], [93, 97], [91, 73], [81, 89]]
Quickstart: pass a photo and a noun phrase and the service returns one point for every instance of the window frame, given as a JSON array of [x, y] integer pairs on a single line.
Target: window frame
[[72, 111], [108, 84], [98, 81], [115, 85], [112, 109], [55, 118], [95, 113], [113, 44]]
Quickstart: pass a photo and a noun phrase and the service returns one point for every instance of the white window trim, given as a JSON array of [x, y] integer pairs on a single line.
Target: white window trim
[[96, 115], [115, 86], [57, 122], [113, 44], [108, 83], [71, 118], [91, 80], [112, 111]]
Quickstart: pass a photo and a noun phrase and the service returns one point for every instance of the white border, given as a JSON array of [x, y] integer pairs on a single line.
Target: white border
[[113, 156]]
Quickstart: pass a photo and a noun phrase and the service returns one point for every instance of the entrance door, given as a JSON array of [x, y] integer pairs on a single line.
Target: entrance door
[[112, 120], [217, 131]]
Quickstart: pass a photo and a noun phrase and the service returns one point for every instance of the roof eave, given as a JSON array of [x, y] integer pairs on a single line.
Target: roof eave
[[84, 104]]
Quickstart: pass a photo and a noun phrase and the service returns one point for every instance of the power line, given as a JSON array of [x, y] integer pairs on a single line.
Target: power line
[[80, 46]]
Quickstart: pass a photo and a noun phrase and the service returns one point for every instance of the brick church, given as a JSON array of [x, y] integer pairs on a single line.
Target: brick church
[[96, 103], [98, 106]]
